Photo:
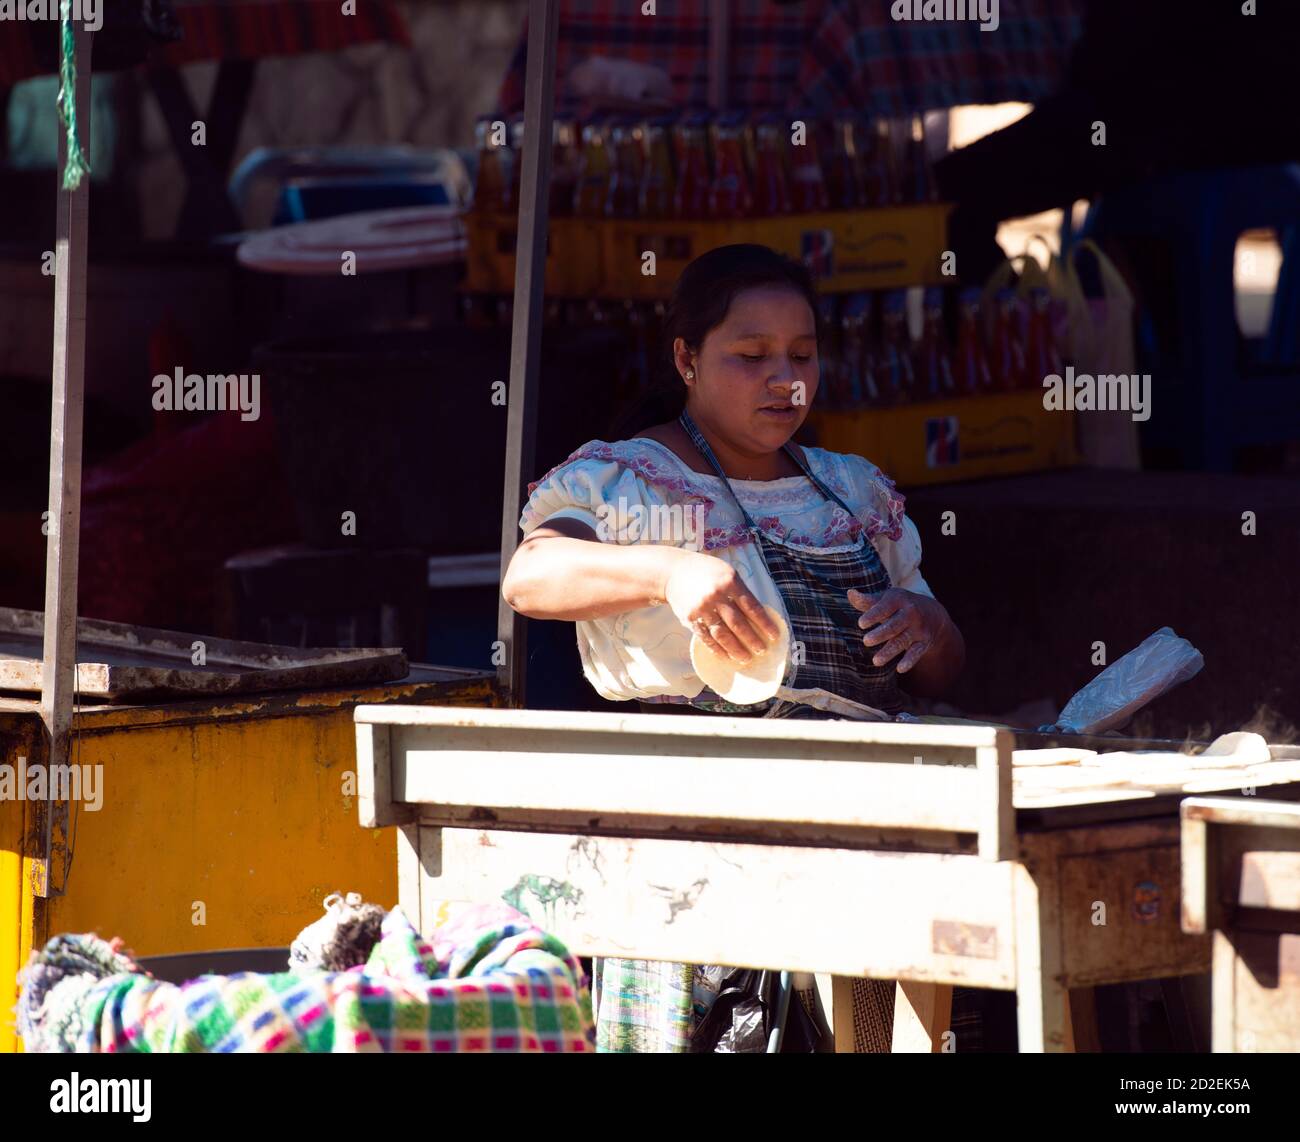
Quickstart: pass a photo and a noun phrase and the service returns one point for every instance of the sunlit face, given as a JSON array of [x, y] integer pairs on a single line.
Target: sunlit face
[[756, 373]]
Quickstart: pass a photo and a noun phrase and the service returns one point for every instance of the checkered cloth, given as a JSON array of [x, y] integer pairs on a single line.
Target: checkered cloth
[[237, 29], [814, 586], [821, 55], [489, 981], [250, 29]]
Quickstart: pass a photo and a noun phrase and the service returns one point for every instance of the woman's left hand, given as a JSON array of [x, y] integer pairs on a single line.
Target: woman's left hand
[[909, 624]]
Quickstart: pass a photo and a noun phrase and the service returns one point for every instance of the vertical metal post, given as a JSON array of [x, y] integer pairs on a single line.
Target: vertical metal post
[[64, 541], [526, 334], [719, 53]]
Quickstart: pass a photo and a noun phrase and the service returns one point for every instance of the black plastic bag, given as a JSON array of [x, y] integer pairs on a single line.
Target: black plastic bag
[[740, 1020]]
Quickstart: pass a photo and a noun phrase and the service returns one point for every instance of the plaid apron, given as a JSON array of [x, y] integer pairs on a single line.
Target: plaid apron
[[823, 623], [647, 1006]]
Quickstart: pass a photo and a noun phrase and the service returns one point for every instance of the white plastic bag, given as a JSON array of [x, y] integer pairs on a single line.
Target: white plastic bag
[[1160, 663], [1100, 341], [1094, 334], [599, 77]]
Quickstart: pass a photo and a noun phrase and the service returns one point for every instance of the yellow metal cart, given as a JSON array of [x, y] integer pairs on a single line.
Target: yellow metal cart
[[223, 822]]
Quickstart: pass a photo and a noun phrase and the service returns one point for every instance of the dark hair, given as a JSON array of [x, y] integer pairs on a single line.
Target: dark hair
[[706, 288], [701, 300]]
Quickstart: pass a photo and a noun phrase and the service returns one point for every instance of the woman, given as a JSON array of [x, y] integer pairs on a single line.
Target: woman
[[697, 524]]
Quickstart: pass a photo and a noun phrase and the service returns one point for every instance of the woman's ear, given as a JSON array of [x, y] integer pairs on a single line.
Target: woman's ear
[[684, 359]]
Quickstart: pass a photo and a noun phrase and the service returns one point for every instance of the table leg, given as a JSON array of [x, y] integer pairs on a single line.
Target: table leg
[[1081, 1021], [841, 1011], [922, 1017], [1042, 1009], [1223, 1025]]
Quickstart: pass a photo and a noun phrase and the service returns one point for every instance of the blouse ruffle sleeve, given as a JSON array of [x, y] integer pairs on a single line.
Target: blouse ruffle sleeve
[[575, 489], [641, 653], [628, 493]]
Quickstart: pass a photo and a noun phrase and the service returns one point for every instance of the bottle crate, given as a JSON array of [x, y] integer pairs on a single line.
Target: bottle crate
[[960, 438], [890, 247]]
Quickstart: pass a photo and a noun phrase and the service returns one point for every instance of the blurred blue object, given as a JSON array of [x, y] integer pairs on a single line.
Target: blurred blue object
[[1212, 397], [295, 184], [309, 198]]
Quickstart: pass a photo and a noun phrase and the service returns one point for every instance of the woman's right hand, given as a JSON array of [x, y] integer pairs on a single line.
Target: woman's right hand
[[708, 595]]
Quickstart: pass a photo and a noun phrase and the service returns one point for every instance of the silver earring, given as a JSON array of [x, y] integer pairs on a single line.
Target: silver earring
[[690, 374]]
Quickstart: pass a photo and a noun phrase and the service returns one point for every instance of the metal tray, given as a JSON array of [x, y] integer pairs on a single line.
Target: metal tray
[[117, 661]]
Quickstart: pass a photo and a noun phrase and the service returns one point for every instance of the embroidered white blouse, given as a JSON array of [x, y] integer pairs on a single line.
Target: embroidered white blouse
[[639, 491]]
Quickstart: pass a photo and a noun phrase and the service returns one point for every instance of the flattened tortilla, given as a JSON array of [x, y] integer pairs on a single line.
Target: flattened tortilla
[[745, 685]]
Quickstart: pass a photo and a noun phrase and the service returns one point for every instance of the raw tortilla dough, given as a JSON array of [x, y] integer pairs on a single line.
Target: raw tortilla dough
[[744, 685]]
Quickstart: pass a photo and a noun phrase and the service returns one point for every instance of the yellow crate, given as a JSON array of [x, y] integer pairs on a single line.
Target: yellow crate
[[887, 248], [625, 243], [485, 262], [573, 255], [941, 442]]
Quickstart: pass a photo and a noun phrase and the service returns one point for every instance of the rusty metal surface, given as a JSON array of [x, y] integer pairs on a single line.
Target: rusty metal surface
[[117, 661]]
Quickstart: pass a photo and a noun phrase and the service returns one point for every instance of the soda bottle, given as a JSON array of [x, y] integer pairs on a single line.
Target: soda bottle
[[1007, 351], [729, 194], [877, 186], [889, 133], [919, 181], [934, 364], [655, 197], [475, 311], [625, 170], [691, 196], [592, 187], [656, 321], [749, 142], [859, 383], [844, 174], [829, 350], [807, 182], [638, 323], [971, 367], [895, 375], [869, 368], [675, 134], [491, 188], [772, 192], [564, 166], [1041, 356]]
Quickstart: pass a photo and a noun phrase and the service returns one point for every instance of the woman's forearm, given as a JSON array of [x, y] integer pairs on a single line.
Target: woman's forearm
[[558, 576]]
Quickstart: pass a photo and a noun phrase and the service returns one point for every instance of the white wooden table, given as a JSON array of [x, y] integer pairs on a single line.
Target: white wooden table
[[1241, 884], [847, 849]]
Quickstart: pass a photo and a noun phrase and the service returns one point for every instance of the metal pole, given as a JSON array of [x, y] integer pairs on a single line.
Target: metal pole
[[66, 408], [526, 334]]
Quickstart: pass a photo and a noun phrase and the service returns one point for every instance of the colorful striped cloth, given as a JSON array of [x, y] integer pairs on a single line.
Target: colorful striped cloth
[[489, 981], [820, 55], [643, 1006]]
